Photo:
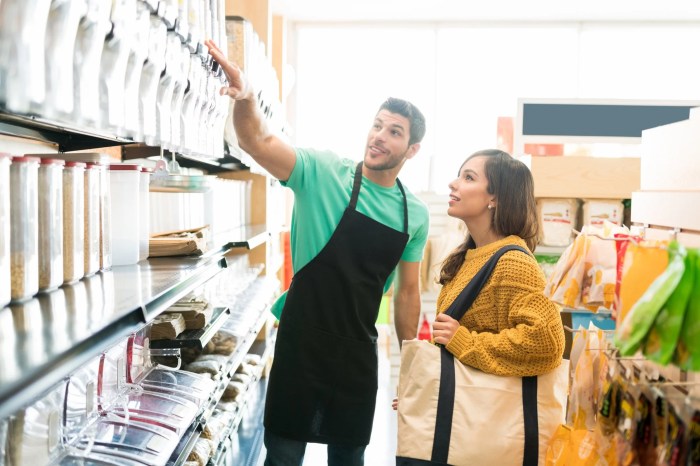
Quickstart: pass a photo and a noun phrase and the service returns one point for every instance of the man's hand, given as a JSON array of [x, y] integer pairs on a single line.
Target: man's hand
[[444, 328], [237, 84]]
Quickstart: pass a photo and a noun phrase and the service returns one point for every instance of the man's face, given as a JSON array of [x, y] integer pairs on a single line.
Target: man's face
[[387, 141]]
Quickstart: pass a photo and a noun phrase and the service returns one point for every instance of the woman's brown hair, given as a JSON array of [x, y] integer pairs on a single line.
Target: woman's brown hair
[[510, 181]]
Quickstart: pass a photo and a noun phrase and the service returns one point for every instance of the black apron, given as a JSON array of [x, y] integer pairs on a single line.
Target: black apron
[[323, 382]]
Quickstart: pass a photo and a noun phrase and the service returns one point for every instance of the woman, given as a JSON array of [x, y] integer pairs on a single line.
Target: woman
[[512, 329]]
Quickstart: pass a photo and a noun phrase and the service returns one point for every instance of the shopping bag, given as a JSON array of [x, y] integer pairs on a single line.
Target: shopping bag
[[481, 419], [453, 414]]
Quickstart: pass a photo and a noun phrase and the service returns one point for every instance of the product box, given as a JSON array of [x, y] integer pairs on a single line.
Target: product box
[[557, 219]]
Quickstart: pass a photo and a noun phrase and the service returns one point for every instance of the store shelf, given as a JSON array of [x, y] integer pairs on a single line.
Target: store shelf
[[184, 448], [542, 250], [248, 443], [196, 338], [52, 335], [67, 137], [247, 236], [209, 164]]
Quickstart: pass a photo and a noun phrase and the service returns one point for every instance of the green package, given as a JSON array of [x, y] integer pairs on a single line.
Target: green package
[[687, 355], [662, 339], [635, 326]]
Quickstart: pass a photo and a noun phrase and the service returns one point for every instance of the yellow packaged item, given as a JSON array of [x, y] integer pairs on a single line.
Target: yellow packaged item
[[643, 263]]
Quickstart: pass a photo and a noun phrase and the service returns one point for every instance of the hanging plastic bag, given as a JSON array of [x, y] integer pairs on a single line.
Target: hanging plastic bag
[[643, 263], [687, 355], [663, 336], [636, 323]]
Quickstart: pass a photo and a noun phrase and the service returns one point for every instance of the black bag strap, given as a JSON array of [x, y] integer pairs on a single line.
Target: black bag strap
[[446, 395], [466, 298]]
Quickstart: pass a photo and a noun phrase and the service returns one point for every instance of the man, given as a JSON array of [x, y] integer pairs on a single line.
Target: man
[[353, 225]]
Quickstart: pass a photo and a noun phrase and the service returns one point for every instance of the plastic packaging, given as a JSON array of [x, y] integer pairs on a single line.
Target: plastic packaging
[[91, 232], [50, 224], [61, 32], [73, 221], [22, 32], [126, 214], [145, 209], [5, 278], [24, 216]]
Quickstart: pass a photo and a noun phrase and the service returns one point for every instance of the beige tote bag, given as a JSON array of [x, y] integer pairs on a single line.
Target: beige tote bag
[[453, 414]]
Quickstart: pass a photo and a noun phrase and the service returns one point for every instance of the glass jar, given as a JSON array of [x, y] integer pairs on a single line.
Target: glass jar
[[91, 231], [73, 221], [144, 206], [5, 280], [24, 227], [124, 181], [50, 224], [105, 219]]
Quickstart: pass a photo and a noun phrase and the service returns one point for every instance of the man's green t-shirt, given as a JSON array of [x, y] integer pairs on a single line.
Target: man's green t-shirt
[[322, 184]]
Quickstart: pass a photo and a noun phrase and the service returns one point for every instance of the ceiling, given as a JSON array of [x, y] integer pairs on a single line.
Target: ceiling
[[493, 10]]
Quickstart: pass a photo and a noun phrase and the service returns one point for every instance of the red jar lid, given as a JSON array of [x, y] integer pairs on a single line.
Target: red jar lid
[[147, 169], [75, 164], [125, 166], [25, 159], [45, 161]]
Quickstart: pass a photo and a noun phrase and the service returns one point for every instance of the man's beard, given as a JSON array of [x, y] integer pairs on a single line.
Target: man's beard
[[389, 164]]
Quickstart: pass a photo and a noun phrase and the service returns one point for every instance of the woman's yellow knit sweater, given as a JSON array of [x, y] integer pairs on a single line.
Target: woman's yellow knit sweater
[[512, 329]]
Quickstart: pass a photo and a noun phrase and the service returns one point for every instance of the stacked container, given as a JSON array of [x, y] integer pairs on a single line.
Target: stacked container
[[91, 192], [50, 224], [105, 219], [144, 205], [125, 180], [73, 221], [24, 233], [5, 279]]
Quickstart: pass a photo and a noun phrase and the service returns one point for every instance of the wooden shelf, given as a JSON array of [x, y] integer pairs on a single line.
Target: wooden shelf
[[584, 177]]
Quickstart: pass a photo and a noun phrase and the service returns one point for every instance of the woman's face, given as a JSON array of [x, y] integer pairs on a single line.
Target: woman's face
[[469, 198]]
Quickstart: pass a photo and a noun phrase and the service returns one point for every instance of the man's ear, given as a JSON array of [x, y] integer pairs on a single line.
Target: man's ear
[[412, 150]]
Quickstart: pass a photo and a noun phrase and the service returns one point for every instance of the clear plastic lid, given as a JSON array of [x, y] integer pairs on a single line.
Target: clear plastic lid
[[98, 459], [133, 440], [81, 399], [168, 411]]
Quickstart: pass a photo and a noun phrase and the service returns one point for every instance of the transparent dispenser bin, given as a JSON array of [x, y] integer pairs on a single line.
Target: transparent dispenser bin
[[105, 218], [50, 224], [5, 279], [24, 224], [144, 208]]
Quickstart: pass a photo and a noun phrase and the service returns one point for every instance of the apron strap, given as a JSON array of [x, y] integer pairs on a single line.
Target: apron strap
[[405, 206], [356, 193]]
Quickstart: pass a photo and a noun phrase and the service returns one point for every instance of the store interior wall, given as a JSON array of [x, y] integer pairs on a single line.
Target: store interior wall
[[465, 75]]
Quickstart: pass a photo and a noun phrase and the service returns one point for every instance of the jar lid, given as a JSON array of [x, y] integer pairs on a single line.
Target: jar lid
[[93, 165], [75, 164], [45, 161], [125, 166], [25, 159], [147, 170]]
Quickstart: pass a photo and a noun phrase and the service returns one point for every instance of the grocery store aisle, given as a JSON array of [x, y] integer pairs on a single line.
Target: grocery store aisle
[[382, 447]]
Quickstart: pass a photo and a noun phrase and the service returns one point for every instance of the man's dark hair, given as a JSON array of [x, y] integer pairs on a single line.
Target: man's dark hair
[[410, 111]]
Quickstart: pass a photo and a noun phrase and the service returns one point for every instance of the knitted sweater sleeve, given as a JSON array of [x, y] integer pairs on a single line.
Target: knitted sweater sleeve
[[530, 340]]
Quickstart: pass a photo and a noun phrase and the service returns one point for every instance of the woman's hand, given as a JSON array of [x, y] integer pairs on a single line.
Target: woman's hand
[[444, 328], [237, 84]]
